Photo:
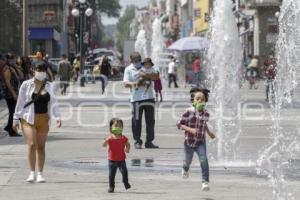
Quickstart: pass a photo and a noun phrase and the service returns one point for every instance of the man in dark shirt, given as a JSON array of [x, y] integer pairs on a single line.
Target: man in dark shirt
[[64, 72]]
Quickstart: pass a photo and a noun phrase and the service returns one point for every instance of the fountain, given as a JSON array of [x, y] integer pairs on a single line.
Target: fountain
[[157, 44], [224, 63], [141, 44], [276, 158]]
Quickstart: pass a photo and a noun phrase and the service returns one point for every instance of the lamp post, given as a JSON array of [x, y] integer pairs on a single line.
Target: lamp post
[[81, 8]]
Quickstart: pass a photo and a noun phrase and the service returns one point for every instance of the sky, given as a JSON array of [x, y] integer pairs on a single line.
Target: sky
[[124, 3]]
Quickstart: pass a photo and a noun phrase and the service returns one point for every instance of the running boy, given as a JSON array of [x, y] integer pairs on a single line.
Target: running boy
[[194, 122], [117, 146]]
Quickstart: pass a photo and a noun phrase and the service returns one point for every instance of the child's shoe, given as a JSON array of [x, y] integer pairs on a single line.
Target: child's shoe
[[111, 190], [185, 174], [205, 186], [40, 178], [127, 186], [31, 177]]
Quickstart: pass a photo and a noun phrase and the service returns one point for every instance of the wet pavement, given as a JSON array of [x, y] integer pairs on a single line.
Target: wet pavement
[[76, 165]]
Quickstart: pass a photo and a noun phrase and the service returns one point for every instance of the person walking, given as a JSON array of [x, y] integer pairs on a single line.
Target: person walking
[[141, 101], [194, 123], [158, 89], [105, 72], [172, 72], [40, 57], [76, 68], [196, 70], [36, 104], [270, 73], [65, 73], [117, 143], [25, 64], [11, 88]]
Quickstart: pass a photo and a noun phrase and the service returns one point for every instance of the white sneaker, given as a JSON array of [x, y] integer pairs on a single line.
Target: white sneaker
[[185, 174], [31, 177], [205, 186], [40, 178]]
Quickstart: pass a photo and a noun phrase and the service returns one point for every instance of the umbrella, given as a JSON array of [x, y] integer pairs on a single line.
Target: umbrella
[[190, 44]]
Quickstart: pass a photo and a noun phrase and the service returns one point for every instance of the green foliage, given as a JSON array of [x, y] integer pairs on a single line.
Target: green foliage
[[111, 8], [123, 26]]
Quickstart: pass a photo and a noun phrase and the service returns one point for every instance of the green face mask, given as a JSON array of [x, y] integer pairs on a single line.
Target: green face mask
[[117, 131], [199, 106]]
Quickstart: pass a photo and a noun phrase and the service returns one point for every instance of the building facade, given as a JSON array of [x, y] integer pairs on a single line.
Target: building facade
[[46, 26], [10, 27]]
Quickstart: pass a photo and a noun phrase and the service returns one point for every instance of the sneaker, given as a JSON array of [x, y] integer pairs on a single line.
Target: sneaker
[[31, 177], [40, 178], [110, 190], [205, 186], [127, 186], [137, 146], [185, 174]]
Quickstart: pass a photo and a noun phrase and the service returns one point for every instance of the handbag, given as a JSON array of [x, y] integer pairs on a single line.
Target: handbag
[[37, 96]]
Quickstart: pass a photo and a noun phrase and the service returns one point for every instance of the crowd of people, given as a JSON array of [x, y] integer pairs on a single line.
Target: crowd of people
[[29, 92]]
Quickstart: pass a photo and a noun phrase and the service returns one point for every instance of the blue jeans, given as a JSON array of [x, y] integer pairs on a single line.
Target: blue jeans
[[201, 152]]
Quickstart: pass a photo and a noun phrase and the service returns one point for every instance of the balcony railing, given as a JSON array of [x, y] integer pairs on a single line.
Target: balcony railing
[[264, 2]]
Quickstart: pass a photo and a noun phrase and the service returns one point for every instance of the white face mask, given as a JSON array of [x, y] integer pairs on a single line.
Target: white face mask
[[40, 76]]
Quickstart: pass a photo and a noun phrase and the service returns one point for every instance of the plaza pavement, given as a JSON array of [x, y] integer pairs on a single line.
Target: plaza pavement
[[76, 164]]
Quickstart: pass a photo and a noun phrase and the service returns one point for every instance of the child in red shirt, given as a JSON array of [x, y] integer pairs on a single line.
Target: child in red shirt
[[117, 146]]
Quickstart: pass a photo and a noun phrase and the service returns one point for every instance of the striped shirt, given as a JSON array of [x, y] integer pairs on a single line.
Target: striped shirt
[[194, 119]]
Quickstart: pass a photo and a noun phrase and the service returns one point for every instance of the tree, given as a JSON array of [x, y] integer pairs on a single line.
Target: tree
[[123, 26], [111, 8]]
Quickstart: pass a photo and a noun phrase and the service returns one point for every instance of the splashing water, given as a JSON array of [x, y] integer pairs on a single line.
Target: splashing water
[[141, 44], [224, 64], [157, 43], [274, 159]]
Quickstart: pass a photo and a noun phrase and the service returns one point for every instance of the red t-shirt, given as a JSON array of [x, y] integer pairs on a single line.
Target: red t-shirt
[[116, 148], [196, 65]]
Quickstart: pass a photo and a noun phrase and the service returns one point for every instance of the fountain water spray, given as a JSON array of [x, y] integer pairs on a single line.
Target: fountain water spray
[[275, 159], [157, 43], [141, 44], [224, 65]]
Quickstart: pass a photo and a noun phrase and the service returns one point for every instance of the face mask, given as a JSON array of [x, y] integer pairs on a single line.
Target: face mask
[[199, 106], [117, 131], [138, 65], [40, 76]]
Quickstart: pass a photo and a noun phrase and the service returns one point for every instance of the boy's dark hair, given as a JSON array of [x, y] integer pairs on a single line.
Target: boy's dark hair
[[117, 121], [194, 90]]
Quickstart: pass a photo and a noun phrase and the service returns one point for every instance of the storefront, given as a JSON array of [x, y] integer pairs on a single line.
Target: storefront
[[47, 39]]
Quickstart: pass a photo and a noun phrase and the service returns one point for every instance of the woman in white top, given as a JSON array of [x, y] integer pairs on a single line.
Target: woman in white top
[[36, 104]]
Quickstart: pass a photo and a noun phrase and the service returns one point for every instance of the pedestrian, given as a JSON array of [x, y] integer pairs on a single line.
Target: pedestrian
[[196, 70], [35, 106], [118, 146], [40, 57], [158, 89], [11, 88], [64, 72], [172, 72], [105, 72], [25, 64], [252, 72], [76, 68], [270, 74], [141, 102], [194, 123]]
